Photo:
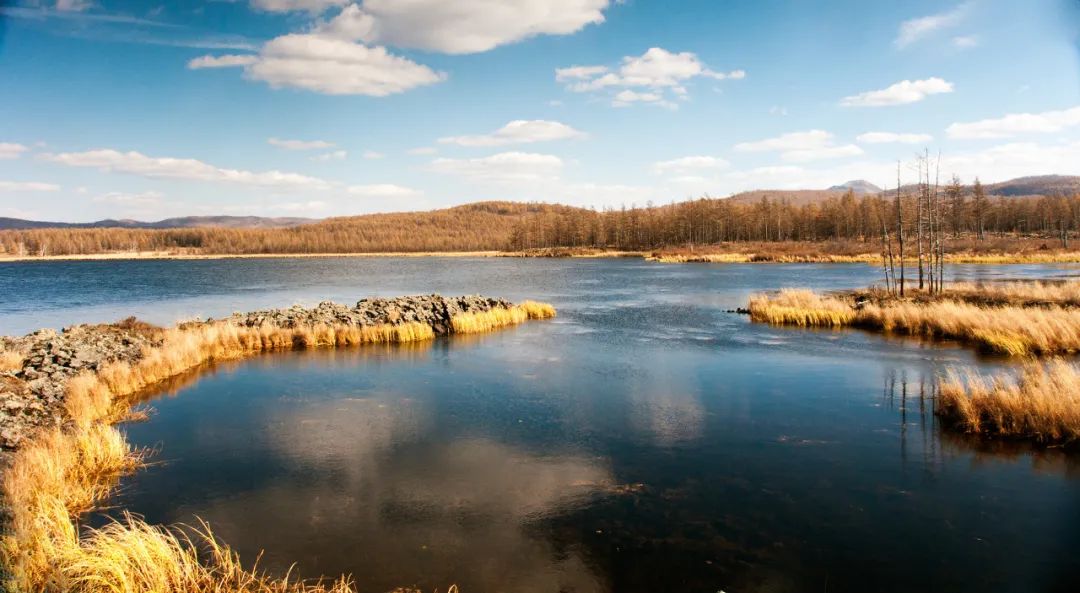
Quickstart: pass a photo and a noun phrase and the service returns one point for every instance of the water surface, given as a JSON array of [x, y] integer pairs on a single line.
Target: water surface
[[646, 440]]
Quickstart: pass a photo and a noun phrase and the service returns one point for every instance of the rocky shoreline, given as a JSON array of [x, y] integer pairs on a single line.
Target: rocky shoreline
[[39, 365]]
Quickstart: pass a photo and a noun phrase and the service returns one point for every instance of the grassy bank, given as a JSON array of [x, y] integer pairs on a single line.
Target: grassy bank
[[65, 472], [1013, 329], [1041, 403]]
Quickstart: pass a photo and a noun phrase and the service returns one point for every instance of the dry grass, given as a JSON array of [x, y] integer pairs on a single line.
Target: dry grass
[[1042, 403], [10, 360], [801, 307], [472, 323], [1011, 330], [63, 473], [1066, 294]]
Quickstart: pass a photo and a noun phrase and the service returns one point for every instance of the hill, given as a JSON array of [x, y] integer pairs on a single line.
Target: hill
[[859, 186], [184, 222]]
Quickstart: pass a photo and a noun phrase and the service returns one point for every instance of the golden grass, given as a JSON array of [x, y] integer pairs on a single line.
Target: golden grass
[[472, 323], [801, 307], [61, 473], [1017, 292], [10, 360], [1011, 330], [1042, 403]]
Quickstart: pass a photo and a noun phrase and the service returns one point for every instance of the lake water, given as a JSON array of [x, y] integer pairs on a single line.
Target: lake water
[[644, 441]]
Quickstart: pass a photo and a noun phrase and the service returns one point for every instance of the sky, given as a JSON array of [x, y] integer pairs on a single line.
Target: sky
[[148, 110]]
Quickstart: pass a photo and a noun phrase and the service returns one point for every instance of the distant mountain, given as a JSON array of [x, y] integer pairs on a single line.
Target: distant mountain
[[184, 222], [1043, 185], [859, 186]]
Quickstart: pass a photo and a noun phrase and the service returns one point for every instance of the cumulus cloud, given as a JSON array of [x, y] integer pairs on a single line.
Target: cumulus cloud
[[327, 65], [136, 163], [27, 186], [690, 163], [299, 144], [913, 30], [806, 146], [226, 61], [503, 167], [892, 137], [901, 93], [519, 132], [1015, 124], [461, 26], [9, 150], [312, 6], [655, 77]]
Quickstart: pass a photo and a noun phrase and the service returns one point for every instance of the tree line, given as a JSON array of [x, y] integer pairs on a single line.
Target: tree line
[[490, 226]]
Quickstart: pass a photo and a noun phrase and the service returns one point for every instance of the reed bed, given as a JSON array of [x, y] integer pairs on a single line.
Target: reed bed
[[1042, 403], [472, 323], [1066, 294], [1011, 330], [63, 473]]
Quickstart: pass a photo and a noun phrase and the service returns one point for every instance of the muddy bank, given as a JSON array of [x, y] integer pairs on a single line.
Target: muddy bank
[[39, 365]]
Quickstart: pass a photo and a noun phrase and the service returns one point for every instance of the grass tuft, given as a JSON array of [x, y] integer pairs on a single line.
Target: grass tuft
[[1041, 404], [485, 321]]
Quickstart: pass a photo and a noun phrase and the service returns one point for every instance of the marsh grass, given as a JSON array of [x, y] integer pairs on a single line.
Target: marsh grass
[[11, 360], [1041, 403], [479, 322], [63, 473], [1011, 330]]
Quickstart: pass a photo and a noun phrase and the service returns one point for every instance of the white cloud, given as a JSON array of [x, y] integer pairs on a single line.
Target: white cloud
[[690, 163], [226, 61], [73, 5], [778, 110], [789, 141], [423, 150], [965, 41], [1017, 123], [372, 155], [519, 132], [137, 200], [915, 29], [503, 167], [1017, 159], [299, 144], [892, 137], [461, 26], [312, 6], [26, 186], [328, 65], [579, 73], [806, 146], [654, 74], [174, 168], [336, 155], [308, 206], [627, 97], [383, 190], [901, 93], [9, 150]]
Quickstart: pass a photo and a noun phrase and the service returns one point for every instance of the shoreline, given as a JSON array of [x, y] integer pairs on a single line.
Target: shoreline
[[660, 256]]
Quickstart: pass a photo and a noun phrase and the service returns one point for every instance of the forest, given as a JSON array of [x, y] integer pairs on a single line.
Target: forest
[[962, 211]]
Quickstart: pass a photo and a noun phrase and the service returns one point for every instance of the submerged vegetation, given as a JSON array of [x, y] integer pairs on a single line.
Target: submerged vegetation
[[66, 471]]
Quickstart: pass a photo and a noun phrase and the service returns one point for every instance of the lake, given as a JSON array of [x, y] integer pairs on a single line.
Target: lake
[[646, 440]]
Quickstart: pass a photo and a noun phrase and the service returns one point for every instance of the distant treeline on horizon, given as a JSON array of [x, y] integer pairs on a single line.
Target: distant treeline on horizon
[[511, 226]]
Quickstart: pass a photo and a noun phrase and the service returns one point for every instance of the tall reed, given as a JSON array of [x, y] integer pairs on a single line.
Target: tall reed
[[1042, 403], [471, 323], [1012, 330], [63, 473]]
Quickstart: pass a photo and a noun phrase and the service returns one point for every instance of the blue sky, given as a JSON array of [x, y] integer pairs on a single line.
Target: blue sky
[[334, 107]]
